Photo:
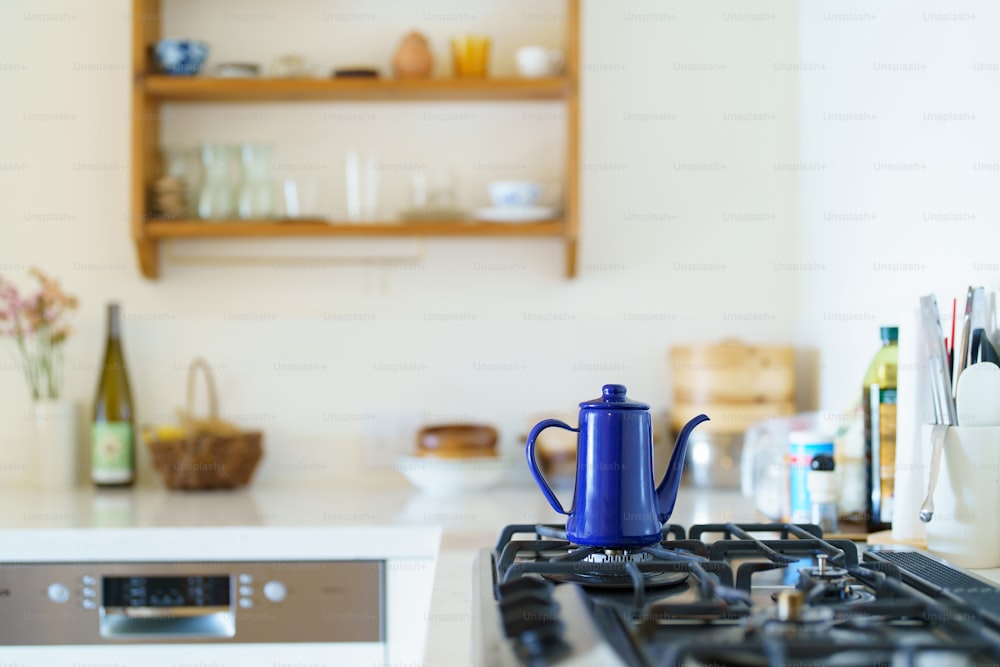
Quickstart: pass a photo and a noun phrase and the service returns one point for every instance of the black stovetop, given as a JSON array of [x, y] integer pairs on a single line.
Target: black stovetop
[[727, 594]]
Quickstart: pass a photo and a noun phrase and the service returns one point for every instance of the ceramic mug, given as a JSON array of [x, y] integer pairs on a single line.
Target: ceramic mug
[[535, 62], [963, 529]]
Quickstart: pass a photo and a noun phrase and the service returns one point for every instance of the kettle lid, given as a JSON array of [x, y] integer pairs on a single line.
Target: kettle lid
[[613, 396]]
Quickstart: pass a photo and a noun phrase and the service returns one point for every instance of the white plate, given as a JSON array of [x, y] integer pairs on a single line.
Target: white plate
[[516, 213], [449, 477]]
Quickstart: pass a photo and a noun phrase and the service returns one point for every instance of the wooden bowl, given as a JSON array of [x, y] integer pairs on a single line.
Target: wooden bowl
[[457, 440]]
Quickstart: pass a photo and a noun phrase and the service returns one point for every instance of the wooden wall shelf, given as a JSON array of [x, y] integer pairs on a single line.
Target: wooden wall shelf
[[177, 229], [196, 88], [150, 90]]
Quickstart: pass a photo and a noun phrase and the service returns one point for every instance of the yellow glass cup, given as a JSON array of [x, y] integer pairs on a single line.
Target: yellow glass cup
[[470, 54]]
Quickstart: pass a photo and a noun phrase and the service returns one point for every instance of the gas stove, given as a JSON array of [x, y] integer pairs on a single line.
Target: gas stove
[[727, 594]]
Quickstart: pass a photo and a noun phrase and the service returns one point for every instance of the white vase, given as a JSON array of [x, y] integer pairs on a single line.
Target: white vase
[[54, 423]]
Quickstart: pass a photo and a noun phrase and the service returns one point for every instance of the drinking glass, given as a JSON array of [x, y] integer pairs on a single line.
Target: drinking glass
[[216, 201], [362, 187], [256, 196], [470, 54]]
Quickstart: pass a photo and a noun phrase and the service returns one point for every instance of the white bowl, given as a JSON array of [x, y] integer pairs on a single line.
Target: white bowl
[[450, 477], [515, 193]]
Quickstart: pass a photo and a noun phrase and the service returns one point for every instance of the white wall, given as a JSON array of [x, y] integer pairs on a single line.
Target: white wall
[[688, 227], [898, 150]]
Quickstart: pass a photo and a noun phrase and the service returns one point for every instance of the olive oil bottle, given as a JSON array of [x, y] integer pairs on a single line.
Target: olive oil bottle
[[878, 399], [112, 461]]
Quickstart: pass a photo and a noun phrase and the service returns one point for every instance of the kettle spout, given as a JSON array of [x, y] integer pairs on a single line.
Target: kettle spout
[[666, 492]]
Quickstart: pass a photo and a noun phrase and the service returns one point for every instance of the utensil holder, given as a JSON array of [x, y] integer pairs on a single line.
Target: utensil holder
[[963, 528]]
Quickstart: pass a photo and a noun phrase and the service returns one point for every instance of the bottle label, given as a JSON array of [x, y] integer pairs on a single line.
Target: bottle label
[[800, 456], [880, 436], [887, 451], [111, 453]]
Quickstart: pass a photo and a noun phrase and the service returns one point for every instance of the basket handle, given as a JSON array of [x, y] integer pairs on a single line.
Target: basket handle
[[213, 399]]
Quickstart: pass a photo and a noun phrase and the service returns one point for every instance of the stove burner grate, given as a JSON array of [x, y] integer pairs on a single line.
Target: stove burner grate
[[681, 604]]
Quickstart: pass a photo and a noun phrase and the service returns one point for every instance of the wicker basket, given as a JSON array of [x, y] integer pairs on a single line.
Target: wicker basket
[[212, 454]]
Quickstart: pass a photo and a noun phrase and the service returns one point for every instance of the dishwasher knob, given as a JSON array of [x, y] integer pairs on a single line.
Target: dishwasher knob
[[58, 593], [275, 591]]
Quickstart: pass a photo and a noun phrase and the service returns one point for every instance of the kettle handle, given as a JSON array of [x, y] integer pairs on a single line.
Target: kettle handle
[[533, 466]]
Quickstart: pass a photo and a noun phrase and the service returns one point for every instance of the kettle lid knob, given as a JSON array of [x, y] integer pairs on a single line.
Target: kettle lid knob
[[613, 396], [614, 393]]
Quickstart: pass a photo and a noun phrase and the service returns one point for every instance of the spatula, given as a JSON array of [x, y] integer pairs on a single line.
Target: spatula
[[978, 395]]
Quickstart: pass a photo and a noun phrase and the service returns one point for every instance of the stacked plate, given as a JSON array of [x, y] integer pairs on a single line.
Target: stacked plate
[[169, 196]]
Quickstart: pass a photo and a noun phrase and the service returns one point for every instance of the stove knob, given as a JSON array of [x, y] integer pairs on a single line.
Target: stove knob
[[790, 606], [275, 591], [58, 593]]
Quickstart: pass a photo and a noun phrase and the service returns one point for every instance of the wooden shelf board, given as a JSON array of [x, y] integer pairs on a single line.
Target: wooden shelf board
[[197, 88], [272, 229]]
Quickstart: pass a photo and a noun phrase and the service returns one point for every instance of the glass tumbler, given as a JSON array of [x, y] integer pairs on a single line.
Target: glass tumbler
[[470, 55], [256, 193], [216, 200]]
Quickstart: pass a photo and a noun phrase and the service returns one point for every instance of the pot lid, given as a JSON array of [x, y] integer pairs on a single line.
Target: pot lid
[[613, 396]]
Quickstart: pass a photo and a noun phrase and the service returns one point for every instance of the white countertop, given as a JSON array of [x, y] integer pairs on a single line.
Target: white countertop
[[469, 522]]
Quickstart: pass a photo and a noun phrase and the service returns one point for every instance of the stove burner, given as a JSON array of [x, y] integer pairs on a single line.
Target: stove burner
[[824, 585], [824, 571], [605, 569], [829, 574], [620, 580], [618, 556]]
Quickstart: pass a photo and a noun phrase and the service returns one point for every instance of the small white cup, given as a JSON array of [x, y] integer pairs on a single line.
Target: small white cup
[[535, 62], [963, 529]]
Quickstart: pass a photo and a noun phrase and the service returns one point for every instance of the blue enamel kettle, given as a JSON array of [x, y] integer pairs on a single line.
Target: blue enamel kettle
[[616, 502]]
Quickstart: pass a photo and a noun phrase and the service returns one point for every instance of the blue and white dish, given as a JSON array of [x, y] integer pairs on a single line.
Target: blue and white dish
[[180, 57], [515, 193]]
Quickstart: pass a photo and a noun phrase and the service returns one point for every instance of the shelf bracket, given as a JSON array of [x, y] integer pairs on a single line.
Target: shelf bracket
[[149, 260]]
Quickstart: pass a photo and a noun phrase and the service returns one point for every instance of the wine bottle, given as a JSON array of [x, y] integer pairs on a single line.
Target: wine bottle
[[112, 460]]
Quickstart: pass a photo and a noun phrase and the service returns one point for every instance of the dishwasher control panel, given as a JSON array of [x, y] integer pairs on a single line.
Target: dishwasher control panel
[[192, 602]]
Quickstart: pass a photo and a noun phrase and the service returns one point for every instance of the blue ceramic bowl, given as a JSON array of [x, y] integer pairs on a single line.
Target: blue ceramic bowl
[[515, 193], [180, 57]]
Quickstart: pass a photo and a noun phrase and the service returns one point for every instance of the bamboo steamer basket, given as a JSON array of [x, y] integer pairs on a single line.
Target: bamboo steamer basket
[[736, 385], [732, 372]]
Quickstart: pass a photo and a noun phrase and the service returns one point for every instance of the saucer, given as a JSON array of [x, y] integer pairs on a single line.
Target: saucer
[[516, 213]]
